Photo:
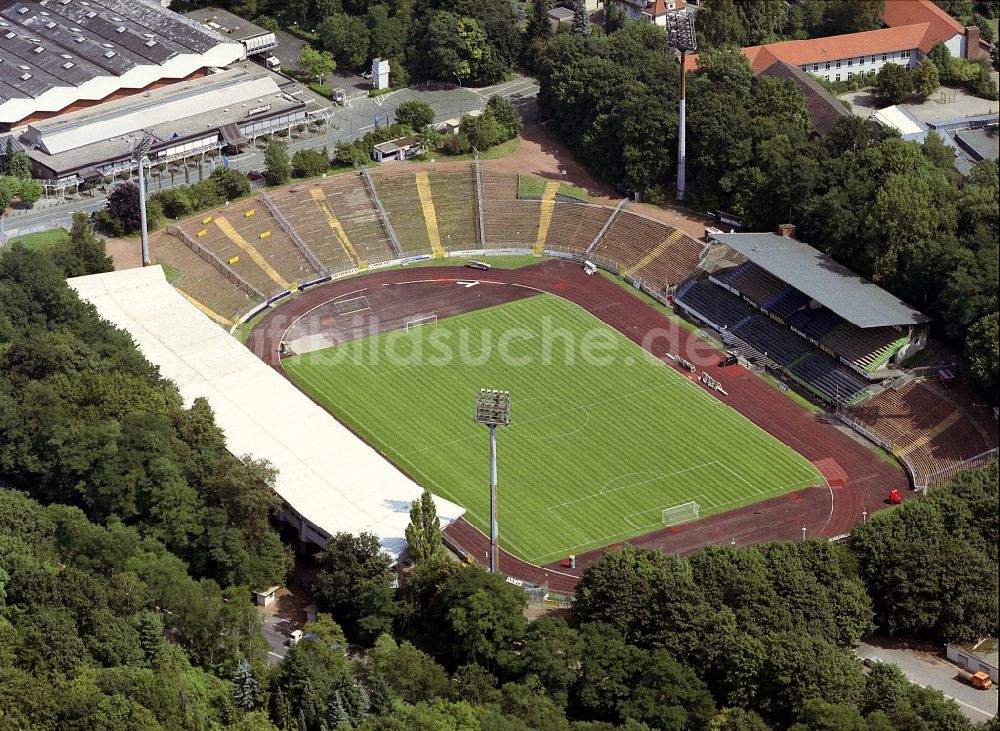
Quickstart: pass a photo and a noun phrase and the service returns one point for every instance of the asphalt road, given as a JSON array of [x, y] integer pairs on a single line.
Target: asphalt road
[[348, 123], [929, 670]]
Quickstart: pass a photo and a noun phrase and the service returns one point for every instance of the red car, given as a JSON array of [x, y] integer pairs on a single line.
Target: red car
[[255, 175]]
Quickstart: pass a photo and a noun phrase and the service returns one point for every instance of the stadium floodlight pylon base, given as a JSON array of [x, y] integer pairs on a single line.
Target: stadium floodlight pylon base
[[677, 514]]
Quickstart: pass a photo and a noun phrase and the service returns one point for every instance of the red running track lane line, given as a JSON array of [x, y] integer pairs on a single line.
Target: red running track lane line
[[823, 510]]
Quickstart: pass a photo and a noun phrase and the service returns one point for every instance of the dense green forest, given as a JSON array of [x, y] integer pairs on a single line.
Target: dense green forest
[[130, 539], [897, 212]]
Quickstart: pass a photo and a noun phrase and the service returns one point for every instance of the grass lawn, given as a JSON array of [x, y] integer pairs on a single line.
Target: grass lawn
[[533, 187], [598, 446], [494, 153], [42, 239]]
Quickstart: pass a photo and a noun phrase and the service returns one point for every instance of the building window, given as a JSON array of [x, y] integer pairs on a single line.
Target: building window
[[827, 65], [885, 57], [838, 77], [815, 67], [838, 64], [805, 68], [905, 54], [850, 75], [850, 62]]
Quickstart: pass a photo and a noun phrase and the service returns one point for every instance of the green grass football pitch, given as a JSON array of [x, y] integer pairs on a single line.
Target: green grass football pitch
[[595, 450]]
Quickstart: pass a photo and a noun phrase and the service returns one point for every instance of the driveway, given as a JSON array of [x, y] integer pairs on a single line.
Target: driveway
[[928, 668], [945, 104]]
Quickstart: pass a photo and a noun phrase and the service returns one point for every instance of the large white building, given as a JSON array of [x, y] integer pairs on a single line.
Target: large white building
[[914, 27], [62, 55]]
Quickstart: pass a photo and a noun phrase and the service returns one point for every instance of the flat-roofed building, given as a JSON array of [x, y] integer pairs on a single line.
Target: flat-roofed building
[[185, 119], [255, 40], [61, 55]]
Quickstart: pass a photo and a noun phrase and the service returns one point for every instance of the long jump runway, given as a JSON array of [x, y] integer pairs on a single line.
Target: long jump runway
[[353, 308]]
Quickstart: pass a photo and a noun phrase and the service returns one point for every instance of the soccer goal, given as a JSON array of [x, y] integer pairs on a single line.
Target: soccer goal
[[682, 513], [428, 320]]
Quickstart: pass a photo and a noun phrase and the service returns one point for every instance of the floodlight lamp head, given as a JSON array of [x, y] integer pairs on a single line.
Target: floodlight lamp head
[[680, 31], [141, 148], [493, 407]]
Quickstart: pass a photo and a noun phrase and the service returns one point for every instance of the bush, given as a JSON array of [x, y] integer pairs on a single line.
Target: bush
[[176, 202], [230, 184], [415, 114], [322, 90], [108, 224], [309, 163], [506, 115]]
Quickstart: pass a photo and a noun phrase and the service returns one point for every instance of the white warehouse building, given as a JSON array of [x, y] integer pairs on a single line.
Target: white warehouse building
[[63, 55]]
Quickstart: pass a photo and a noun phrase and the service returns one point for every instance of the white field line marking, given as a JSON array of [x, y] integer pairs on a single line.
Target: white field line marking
[[659, 476], [738, 476]]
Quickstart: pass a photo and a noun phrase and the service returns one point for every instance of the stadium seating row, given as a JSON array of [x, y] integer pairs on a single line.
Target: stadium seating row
[[921, 426]]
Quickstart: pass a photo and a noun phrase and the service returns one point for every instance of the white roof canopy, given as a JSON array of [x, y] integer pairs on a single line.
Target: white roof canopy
[[325, 473]]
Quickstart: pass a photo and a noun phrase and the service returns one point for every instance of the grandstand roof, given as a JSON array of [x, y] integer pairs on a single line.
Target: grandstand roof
[[54, 53], [825, 110], [326, 474], [817, 275]]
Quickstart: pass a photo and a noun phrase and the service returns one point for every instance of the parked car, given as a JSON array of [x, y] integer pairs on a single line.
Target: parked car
[[366, 74], [255, 175], [625, 190], [728, 361], [872, 660]]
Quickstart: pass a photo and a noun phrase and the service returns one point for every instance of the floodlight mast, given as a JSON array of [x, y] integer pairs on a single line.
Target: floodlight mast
[[493, 409], [140, 152], [681, 36]]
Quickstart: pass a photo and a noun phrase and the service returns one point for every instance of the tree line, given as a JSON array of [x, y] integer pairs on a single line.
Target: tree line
[[896, 212], [751, 638]]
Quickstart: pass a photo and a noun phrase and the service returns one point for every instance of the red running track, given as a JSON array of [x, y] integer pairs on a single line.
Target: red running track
[[822, 511]]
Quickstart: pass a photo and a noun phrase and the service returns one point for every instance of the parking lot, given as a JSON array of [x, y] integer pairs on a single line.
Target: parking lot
[[926, 667]]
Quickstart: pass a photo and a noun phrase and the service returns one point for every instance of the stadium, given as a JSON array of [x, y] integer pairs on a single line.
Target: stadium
[[622, 428]]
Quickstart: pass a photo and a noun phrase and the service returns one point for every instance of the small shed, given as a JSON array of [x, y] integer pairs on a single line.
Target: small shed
[[449, 126], [398, 149], [264, 597], [558, 16]]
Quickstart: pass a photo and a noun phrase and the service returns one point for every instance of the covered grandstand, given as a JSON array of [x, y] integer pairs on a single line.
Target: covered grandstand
[[814, 318], [328, 478]]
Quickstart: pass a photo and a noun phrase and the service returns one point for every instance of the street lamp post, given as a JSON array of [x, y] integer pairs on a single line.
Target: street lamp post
[[680, 36], [493, 409]]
